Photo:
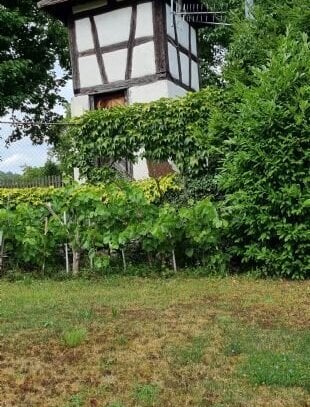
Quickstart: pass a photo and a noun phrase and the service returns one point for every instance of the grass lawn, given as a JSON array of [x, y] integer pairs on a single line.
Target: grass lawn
[[179, 342]]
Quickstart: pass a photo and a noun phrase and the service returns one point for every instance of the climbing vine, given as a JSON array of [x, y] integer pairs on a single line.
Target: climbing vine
[[168, 129]]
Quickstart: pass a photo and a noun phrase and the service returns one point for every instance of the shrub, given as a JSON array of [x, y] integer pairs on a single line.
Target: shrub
[[265, 175], [99, 223]]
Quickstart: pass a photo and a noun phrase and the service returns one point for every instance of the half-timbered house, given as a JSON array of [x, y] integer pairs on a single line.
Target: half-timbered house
[[125, 51]]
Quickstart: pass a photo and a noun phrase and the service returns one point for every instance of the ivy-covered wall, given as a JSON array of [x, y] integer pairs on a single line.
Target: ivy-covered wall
[[172, 129]]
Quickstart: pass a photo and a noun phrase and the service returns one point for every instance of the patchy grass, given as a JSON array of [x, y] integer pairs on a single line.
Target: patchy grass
[[192, 353], [145, 342], [146, 394], [74, 337], [282, 369]]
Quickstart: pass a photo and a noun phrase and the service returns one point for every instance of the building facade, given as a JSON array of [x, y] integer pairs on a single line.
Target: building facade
[[126, 51]]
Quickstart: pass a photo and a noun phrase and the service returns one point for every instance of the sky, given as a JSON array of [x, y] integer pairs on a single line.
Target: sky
[[23, 152]]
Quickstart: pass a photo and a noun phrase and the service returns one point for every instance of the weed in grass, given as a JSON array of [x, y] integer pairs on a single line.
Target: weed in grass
[[77, 400], [48, 324], [192, 353], [106, 364], [280, 369], [114, 312], [86, 314], [74, 337], [146, 394], [233, 349], [122, 340]]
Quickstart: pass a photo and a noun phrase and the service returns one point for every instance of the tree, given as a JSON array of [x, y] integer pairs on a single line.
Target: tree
[[31, 44], [253, 40], [214, 40], [50, 168], [266, 121]]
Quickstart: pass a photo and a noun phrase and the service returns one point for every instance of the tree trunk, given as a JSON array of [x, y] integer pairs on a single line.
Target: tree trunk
[[75, 262]]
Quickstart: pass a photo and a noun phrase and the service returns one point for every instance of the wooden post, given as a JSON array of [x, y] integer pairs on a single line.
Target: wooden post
[[174, 262], [1, 250], [66, 248], [124, 260], [45, 233]]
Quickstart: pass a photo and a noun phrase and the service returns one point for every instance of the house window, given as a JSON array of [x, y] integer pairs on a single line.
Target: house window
[[108, 100]]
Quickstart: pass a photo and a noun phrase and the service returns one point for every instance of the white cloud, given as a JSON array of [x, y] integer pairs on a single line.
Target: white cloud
[[12, 162], [21, 153]]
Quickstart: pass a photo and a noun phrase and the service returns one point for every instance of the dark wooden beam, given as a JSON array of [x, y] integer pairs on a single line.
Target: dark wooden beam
[[98, 51], [177, 45], [46, 3], [73, 53], [160, 42], [116, 47], [123, 85], [189, 56], [130, 45], [180, 83], [118, 85], [182, 49], [109, 7]]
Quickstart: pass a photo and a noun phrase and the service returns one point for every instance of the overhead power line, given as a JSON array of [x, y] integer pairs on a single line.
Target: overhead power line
[[16, 123]]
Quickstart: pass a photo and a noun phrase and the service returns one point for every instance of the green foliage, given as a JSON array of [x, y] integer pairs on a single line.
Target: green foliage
[[8, 177], [30, 174], [265, 173], [190, 354], [253, 40], [77, 400], [280, 369], [202, 222], [74, 337], [214, 40], [146, 394], [48, 169], [97, 221], [30, 45], [166, 129], [154, 190]]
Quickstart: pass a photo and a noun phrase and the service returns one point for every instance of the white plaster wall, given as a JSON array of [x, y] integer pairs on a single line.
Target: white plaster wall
[[173, 61], [174, 90], [140, 170], [89, 71], [148, 93], [115, 64], [193, 41], [84, 39], [182, 31], [195, 76], [144, 25], [184, 68], [114, 26], [170, 29], [90, 5], [79, 105], [154, 91], [143, 60]]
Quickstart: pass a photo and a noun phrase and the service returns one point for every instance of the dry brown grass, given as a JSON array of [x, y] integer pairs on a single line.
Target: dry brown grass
[[149, 342]]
